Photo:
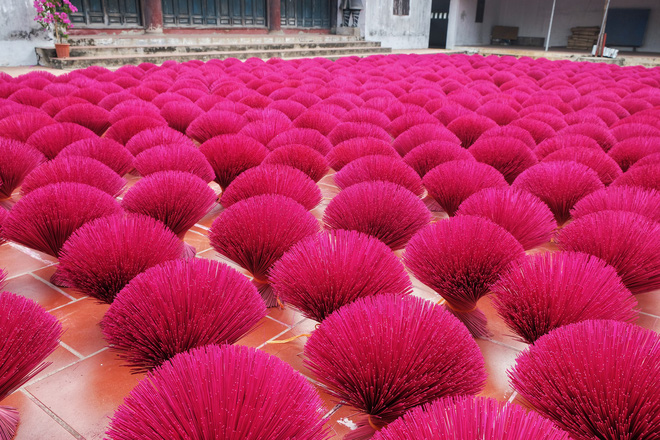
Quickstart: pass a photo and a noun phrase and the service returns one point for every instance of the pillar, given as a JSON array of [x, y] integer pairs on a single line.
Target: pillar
[[153, 16], [275, 15]]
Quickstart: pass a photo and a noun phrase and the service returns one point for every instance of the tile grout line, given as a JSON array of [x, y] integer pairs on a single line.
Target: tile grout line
[[649, 314], [29, 252], [52, 415], [75, 300], [51, 285], [29, 272], [35, 381], [68, 347], [518, 350]]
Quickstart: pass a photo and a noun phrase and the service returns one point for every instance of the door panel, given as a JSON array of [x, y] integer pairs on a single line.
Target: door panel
[[114, 13], [305, 13], [439, 21], [241, 13]]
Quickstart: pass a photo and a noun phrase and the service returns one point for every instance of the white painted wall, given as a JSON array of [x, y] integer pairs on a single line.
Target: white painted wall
[[462, 28], [532, 17], [19, 33], [398, 32]]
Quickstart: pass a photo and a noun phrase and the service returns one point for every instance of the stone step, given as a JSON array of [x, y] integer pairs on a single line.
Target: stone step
[[106, 51], [205, 39], [159, 58]]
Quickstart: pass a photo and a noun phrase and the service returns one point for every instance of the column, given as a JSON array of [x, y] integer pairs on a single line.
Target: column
[[153, 16], [275, 15]]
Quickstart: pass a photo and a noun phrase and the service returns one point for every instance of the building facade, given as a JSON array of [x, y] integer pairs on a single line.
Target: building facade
[[399, 24]]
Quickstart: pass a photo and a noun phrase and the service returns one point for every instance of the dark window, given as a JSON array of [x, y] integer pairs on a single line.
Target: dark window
[[481, 4], [401, 7]]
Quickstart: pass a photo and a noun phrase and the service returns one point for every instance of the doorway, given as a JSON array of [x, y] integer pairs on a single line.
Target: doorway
[[439, 22]]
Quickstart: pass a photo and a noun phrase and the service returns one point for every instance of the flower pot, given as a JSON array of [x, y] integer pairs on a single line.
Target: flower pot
[[62, 50]]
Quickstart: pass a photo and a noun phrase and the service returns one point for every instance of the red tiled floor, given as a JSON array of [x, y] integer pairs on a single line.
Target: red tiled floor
[[59, 359], [649, 302], [35, 423], [86, 394], [15, 262], [48, 272], [38, 291], [498, 360], [81, 325], [265, 330]]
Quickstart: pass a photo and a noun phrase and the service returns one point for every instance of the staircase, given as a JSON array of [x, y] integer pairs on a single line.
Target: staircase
[[114, 51]]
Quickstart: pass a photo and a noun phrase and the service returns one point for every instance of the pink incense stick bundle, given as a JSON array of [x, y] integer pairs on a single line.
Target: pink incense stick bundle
[[384, 210], [123, 130], [89, 116], [301, 157], [549, 290], [641, 201], [630, 242], [228, 392], [386, 354], [383, 168], [561, 141], [302, 136], [44, 219], [20, 126], [177, 199], [177, 306], [470, 418], [53, 138], [642, 176], [257, 231], [606, 168], [522, 214], [155, 137], [594, 379], [74, 169], [507, 155], [28, 335], [273, 179], [420, 134], [452, 182], [469, 127], [17, 160], [347, 151], [324, 272], [560, 185], [109, 152], [460, 259], [174, 157], [102, 257], [429, 155], [215, 123], [231, 154]]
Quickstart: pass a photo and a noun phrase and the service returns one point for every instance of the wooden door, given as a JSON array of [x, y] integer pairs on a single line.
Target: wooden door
[[439, 22], [216, 13], [305, 13], [114, 13]]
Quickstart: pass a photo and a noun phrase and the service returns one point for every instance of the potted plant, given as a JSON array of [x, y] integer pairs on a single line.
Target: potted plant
[[55, 14]]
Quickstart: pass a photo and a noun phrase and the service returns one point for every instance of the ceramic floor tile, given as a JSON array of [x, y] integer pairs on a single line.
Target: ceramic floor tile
[[649, 322], [36, 290], [265, 330], [59, 359], [86, 394], [35, 423], [287, 315], [15, 262], [291, 352], [649, 302], [81, 325], [48, 272], [498, 360], [208, 219], [198, 240]]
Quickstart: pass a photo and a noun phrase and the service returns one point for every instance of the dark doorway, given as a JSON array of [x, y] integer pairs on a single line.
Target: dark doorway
[[439, 21], [223, 13], [107, 12], [305, 13]]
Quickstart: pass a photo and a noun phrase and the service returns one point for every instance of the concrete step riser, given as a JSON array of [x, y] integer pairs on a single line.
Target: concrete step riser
[[88, 51], [73, 63], [219, 40]]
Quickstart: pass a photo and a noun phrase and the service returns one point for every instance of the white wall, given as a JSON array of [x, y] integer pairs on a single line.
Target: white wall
[[532, 17], [19, 33], [462, 28], [398, 32]]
